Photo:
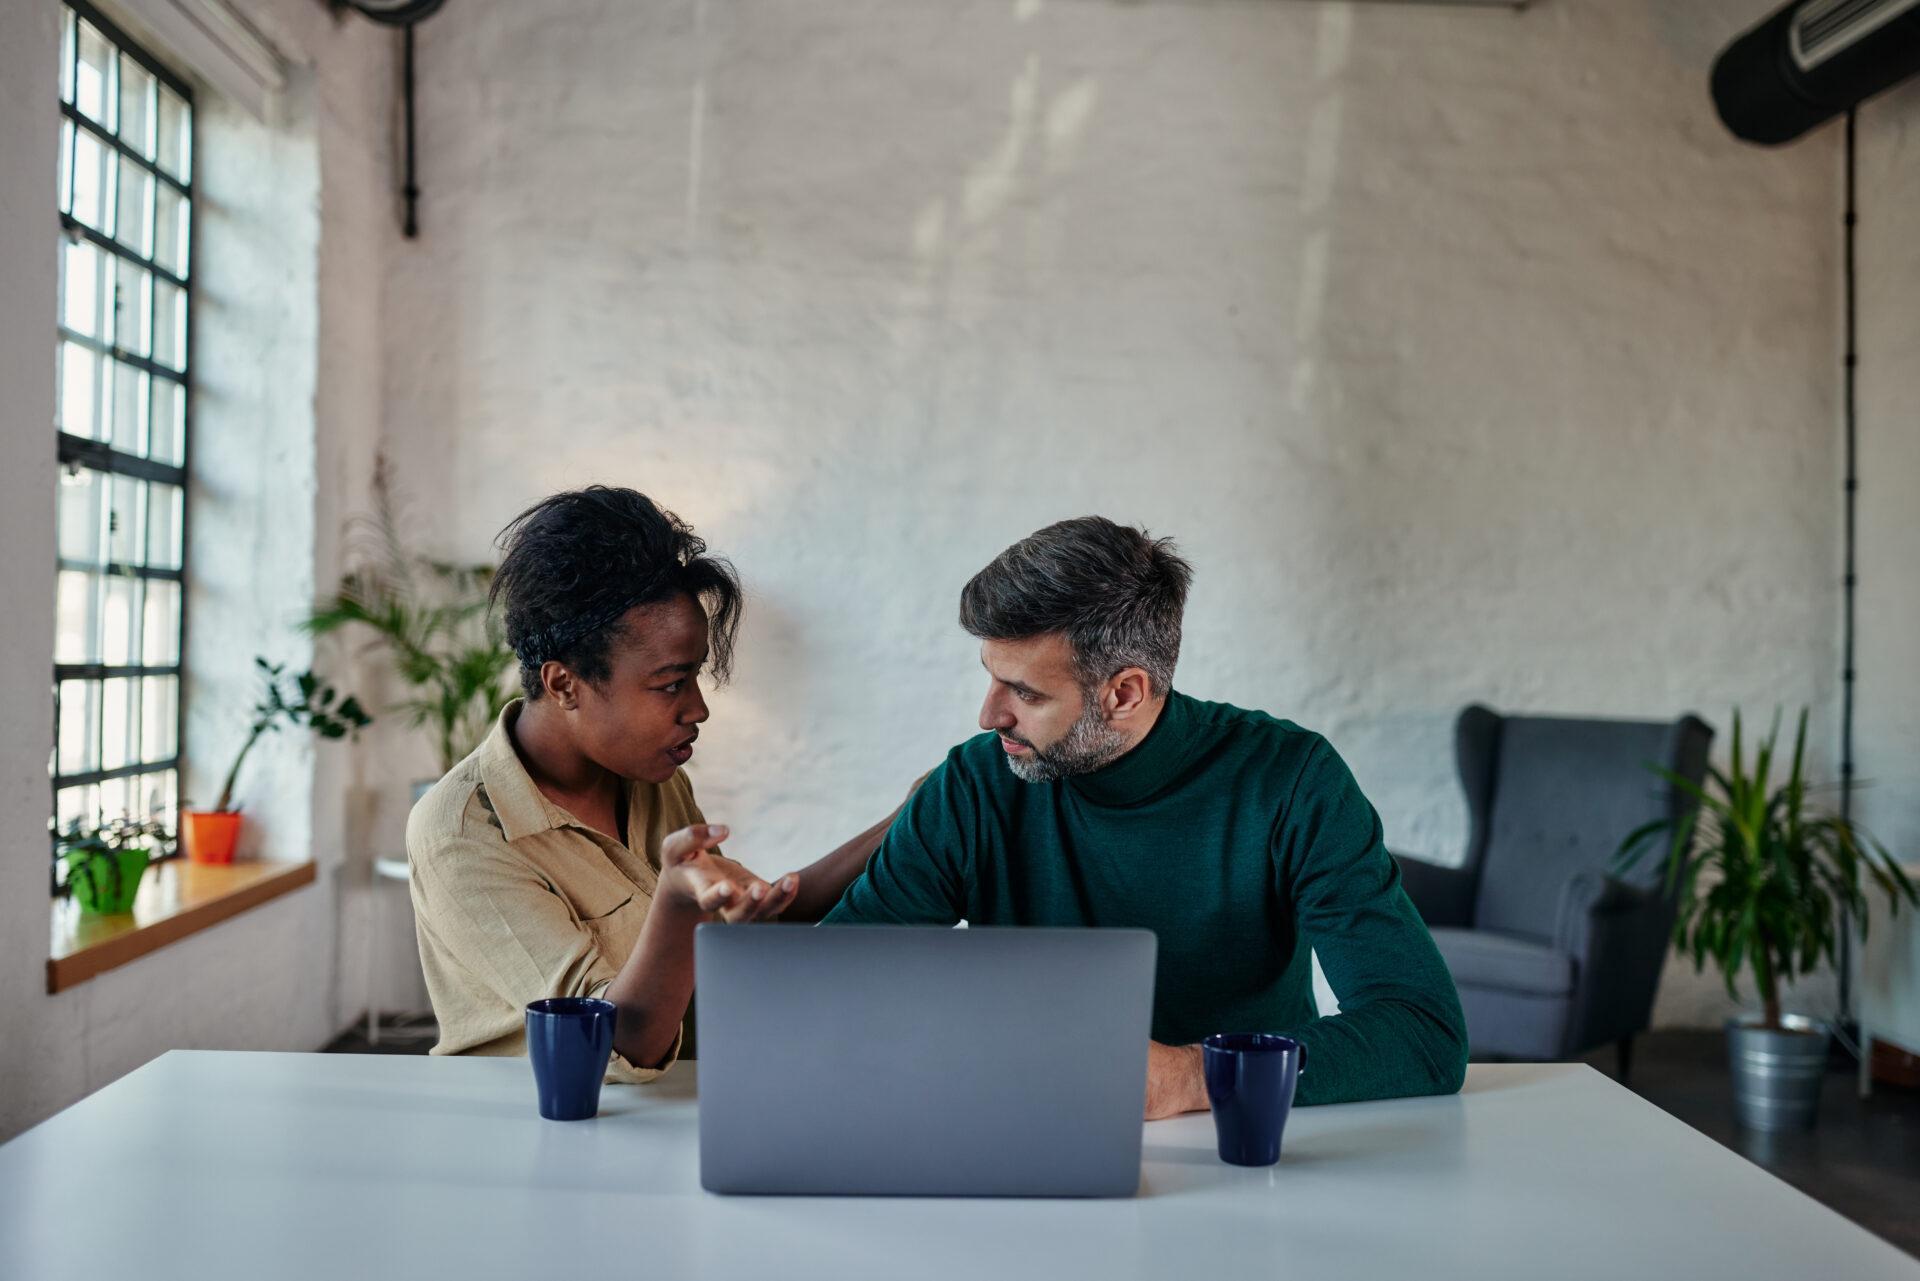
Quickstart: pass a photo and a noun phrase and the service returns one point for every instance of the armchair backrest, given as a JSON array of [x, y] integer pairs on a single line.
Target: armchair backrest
[[1549, 798]]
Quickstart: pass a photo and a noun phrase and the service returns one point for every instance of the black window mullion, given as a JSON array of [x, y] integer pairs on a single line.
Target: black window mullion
[[115, 143], [110, 196], [97, 455], [123, 356], [100, 671], [73, 141], [153, 306], [53, 871], [73, 67], [114, 568], [100, 720], [62, 782], [184, 446], [127, 46], [137, 686], [101, 240], [184, 450]]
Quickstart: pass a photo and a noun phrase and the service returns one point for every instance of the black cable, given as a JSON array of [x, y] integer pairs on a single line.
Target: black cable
[[411, 190], [406, 15], [1849, 372]]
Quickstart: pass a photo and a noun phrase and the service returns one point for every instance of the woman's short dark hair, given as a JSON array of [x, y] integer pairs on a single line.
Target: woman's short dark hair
[[575, 563], [1116, 593]]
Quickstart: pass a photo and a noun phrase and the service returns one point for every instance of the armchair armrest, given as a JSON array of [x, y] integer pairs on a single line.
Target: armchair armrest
[[1443, 895], [1618, 935], [1592, 903]]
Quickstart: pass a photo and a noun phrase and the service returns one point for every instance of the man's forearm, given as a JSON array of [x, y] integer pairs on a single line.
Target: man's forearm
[[1385, 1048], [1176, 1080], [823, 882]]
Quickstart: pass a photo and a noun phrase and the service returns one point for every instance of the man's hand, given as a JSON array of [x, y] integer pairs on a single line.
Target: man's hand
[[695, 875], [1176, 1080]]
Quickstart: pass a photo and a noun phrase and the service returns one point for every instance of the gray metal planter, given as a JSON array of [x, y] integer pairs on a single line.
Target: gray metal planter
[[1777, 1075]]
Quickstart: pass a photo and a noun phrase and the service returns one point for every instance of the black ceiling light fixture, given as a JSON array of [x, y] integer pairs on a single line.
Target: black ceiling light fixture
[[1809, 62], [406, 15]]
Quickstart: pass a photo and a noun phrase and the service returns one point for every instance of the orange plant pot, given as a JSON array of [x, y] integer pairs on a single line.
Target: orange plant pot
[[210, 837]]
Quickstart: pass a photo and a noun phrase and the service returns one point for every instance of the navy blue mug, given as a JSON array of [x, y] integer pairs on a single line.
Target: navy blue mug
[[570, 1039], [1251, 1077]]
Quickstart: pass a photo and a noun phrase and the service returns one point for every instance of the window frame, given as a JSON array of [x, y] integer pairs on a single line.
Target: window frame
[[99, 456]]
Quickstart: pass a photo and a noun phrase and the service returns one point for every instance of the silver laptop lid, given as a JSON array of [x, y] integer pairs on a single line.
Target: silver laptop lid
[[912, 1061]]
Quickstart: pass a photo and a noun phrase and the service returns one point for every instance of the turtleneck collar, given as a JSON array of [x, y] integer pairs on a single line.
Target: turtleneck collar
[[1154, 764]]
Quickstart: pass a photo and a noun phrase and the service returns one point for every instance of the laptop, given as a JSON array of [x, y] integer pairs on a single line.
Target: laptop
[[922, 1061]]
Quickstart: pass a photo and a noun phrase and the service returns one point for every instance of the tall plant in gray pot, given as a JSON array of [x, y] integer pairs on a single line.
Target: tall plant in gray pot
[[431, 619], [1762, 880]]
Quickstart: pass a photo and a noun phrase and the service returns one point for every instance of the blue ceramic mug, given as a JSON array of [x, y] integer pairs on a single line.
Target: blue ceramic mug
[[1251, 1077], [570, 1039]]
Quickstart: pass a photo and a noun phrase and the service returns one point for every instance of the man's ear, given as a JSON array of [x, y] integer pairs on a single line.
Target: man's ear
[[559, 685], [1128, 692]]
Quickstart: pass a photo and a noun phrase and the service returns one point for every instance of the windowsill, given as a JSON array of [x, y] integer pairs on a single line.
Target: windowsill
[[177, 898]]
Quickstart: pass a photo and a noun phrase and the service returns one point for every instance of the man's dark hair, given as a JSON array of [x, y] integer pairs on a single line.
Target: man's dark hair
[[575, 563], [1116, 593]]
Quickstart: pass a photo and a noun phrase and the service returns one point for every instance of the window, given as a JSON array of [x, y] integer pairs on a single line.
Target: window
[[126, 210]]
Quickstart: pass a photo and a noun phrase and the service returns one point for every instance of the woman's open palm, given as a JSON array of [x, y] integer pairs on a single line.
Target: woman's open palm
[[693, 869]]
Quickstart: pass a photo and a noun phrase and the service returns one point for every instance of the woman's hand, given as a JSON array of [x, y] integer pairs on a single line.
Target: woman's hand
[[696, 876], [697, 883]]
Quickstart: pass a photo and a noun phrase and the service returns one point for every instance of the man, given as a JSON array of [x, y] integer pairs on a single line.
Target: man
[[1101, 796]]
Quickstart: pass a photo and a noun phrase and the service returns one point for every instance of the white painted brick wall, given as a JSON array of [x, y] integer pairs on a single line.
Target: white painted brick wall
[[1888, 724], [1888, 650], [1464, 352]]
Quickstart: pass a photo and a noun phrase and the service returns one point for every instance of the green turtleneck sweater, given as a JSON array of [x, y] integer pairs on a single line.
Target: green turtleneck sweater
[[1243, 843]]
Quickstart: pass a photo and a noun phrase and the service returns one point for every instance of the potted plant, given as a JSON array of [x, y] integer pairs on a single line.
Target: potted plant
[[431, 618], [1761, 881], [211, 835], [105, 862]]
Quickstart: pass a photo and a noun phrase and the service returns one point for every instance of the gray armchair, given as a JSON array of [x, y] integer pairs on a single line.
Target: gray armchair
[[1555, 952]]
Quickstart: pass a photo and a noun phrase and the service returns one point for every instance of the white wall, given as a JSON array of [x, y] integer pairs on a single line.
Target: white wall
[[1888, 649], [284, 368], [1464, 352]]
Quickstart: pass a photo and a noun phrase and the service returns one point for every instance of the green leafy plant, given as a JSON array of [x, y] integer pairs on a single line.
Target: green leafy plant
[[96, 856], [1761, 878], [431, 618], [303, 701]]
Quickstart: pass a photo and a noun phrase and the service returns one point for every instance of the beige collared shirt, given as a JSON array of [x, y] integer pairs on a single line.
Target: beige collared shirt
[[515, 899]]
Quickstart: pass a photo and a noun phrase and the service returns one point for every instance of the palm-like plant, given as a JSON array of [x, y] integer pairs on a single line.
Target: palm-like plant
[[431, 617], [1761, 879]]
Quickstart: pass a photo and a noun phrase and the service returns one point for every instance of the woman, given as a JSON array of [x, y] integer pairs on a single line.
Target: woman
[[566, 856]]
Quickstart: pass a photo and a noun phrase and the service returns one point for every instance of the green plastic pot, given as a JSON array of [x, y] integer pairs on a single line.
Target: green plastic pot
[[105, 882]]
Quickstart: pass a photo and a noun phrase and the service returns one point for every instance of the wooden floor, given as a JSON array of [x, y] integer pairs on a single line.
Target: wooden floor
[[1862, 1160]]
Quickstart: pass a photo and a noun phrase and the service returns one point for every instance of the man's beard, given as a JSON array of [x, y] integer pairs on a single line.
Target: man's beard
[[1089, 744]]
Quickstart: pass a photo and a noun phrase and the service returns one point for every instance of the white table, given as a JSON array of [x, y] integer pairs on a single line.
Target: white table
[[224, 1165]]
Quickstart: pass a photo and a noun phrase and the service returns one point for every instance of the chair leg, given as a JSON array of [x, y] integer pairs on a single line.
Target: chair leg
[[1624, 1049]]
